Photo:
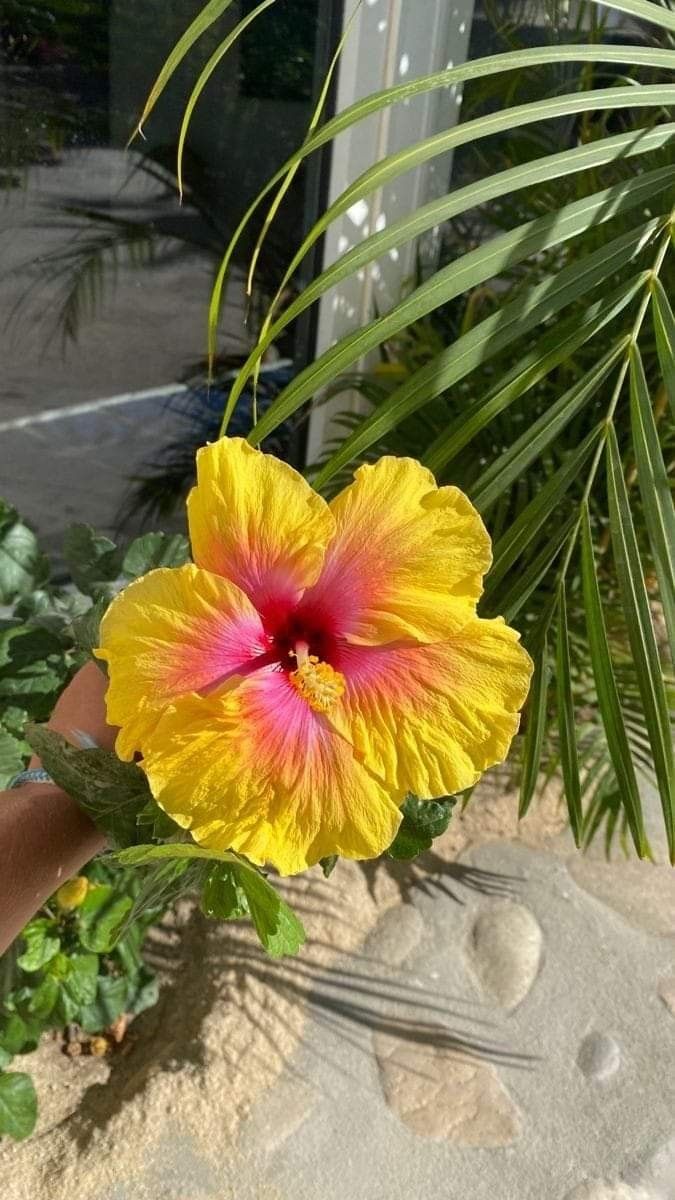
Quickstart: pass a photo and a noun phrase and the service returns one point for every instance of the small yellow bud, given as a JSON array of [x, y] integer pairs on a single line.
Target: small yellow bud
[[72, 894], [99, 1046]]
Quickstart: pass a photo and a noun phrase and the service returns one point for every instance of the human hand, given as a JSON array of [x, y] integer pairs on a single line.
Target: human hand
[[81, 709]]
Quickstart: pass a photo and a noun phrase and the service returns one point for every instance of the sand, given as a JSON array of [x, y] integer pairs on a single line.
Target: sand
[[227, 1021]]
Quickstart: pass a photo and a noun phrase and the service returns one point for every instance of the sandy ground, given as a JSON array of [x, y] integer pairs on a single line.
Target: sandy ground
[[228, 1020]]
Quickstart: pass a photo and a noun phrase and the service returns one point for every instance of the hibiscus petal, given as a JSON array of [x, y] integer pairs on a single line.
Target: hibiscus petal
[[256, 521], [258, 771], [407, 560], [172, 632], [431, 719]]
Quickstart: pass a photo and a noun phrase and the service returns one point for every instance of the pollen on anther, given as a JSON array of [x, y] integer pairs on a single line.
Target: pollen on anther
[[318, 683]]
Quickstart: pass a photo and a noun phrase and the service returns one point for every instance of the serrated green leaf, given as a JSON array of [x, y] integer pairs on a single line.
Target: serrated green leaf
[[161, 824], [154, 550], [18, 1105], [608, 693], [110, 791], [328, 865], [641, 635], [223, 896], [279, 929], [655, 491], [41, 942], [423, 820], [134, 856], [569, 755]]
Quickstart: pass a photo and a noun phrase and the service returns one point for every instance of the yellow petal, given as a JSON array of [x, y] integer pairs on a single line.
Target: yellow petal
[[257, 770], [407, 560], [430, 719], [256, 521], [172, 632]]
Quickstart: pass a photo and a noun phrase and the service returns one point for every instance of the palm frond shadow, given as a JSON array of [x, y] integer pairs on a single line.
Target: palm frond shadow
[[204, 964], [431, 874]]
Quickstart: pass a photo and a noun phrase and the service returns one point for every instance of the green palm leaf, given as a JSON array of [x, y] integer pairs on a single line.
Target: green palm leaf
[[641, 634]]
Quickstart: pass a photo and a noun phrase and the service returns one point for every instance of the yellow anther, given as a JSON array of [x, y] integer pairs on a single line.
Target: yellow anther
[[318, 683]]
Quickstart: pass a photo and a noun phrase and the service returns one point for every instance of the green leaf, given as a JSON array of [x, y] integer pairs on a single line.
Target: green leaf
[[41, 944], [223, 895], [509, 603], [328, 865], [85, 629], [5, 1058], [204, 76], [18, 1105], [162, 825], [645, 10], [78, 988], [664, 328], [514, 462], [278, 928], [93, 561], [155, 550], [484, 341], [101, 916], [18, 1035], [534, 516], [160, 886], [641, 635], [22, 566], [111, 1000], [472, 269], [145, 993], [203, 21], [11, 757], [569, 755], [655, 491], [423, 820], [135, 856], [112, 792], [44, 998], [581, 158], [608, 692], [537, 710], [556, 346]]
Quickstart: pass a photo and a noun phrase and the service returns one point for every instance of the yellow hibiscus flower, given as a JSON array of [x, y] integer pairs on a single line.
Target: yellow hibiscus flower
[[316, 663]]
